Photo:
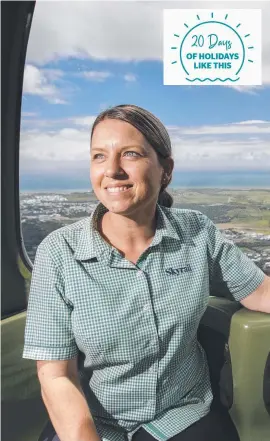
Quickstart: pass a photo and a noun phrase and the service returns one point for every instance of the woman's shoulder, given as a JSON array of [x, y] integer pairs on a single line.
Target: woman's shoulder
[[184, 215], [186, 222], [64, 237]]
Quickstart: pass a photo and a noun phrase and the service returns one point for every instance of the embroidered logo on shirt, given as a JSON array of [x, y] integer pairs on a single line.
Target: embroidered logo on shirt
[[177, 271]]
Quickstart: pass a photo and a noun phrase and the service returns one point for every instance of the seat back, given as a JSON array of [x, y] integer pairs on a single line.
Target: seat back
[[236, 342]]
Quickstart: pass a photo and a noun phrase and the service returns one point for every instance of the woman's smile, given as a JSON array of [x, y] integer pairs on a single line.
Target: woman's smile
[[114, 191]]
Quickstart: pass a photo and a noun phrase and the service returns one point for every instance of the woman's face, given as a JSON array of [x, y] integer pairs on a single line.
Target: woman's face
[[125, 172]]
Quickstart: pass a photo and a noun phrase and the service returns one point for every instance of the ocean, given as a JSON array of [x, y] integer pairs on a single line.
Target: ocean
[[185, 179]]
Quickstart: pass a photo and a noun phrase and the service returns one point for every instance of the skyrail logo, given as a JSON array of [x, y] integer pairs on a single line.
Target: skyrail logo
[[206, 47], [178, 271]]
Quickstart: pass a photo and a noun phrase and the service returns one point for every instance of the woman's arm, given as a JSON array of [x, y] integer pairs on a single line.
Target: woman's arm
[[259, 300], [65, 401]]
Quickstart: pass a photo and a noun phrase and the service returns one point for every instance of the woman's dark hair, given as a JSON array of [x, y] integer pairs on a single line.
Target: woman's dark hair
[[153, 131]]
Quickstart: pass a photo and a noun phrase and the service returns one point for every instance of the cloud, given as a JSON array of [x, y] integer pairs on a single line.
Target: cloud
[[86, 121], [194, 148], [245, 154], [64, 150], [53, 74], [36, 82], [119, 31], [130, 77], [29, 114], [43, 124], [242, 127], [56, 124], [253, 121], [251, 90], [93, 75], [106, 31]]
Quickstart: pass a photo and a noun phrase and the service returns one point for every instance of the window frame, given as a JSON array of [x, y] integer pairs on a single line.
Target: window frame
[[16, 20]]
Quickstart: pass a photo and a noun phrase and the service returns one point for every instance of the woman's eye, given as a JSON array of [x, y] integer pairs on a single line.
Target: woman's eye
[[98, 156], [131, 153]]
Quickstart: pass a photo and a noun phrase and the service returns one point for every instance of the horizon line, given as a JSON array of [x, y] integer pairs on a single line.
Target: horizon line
[[83, 190]]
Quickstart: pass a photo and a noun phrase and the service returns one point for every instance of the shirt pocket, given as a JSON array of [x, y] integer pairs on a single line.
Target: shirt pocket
[[90, 347], [107, 340]]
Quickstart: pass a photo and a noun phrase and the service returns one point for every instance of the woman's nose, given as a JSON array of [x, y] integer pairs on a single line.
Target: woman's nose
[[113, 168]]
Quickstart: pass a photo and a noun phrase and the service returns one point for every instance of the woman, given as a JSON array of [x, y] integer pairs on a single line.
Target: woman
[[126, 290]]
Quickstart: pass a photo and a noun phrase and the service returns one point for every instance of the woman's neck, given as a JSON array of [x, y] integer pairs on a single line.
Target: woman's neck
[[125, 233]]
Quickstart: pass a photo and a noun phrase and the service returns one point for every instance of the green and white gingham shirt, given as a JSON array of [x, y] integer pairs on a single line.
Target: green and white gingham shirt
[[135, 324]]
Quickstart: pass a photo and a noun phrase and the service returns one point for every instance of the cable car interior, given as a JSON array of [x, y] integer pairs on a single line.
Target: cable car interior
[[235, 339]]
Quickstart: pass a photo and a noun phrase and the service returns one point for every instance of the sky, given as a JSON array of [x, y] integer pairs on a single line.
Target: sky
[[83, 57]]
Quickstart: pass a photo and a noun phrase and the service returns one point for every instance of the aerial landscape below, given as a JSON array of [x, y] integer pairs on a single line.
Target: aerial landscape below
[[242, 215]]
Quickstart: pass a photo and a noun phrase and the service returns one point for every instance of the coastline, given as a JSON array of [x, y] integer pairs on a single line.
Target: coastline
[[216, 187]]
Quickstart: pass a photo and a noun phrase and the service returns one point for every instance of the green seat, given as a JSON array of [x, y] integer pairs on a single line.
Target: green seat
[[236, 342]]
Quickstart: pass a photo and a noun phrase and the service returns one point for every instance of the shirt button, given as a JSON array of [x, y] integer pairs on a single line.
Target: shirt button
[[146, 307], [140, 273], [151, 402]]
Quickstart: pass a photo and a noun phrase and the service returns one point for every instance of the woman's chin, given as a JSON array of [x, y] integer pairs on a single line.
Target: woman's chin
[[127, 204], [118, 206]]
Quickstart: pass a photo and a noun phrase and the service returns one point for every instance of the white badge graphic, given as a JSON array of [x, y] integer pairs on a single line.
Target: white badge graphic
[[206, 47]]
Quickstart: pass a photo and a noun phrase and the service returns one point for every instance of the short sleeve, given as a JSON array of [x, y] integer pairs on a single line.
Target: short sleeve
[[231, 271], [48, 331]]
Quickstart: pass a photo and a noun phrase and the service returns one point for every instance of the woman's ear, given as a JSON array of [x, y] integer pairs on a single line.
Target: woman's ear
[[168, 168], [168, 164]]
